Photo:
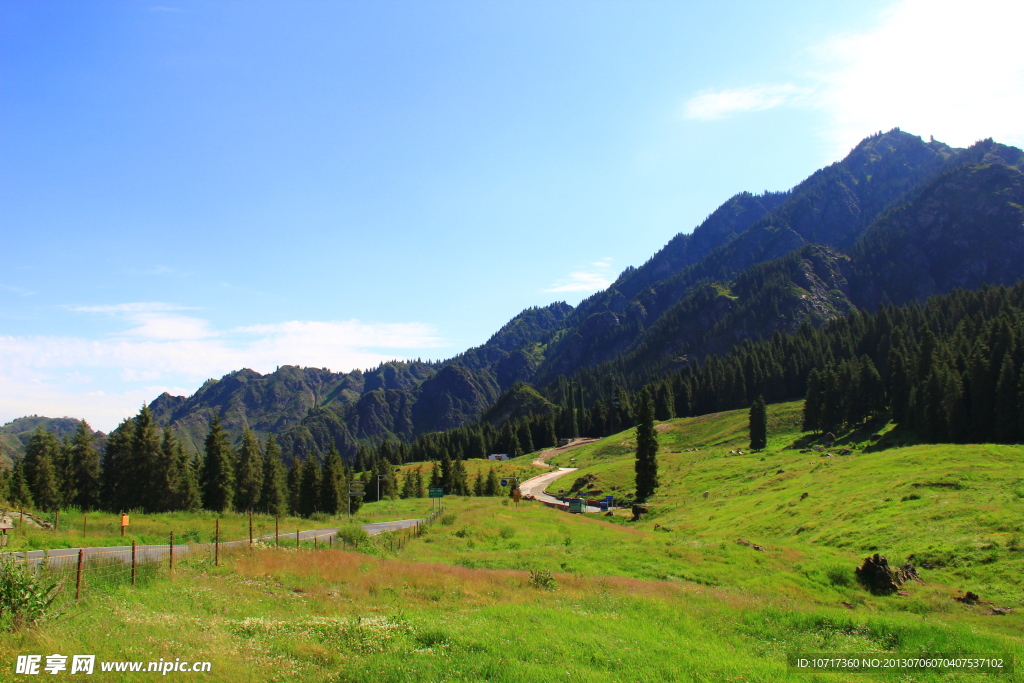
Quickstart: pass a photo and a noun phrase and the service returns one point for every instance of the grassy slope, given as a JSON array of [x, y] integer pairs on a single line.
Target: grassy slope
[[630, 603], [958, 511]]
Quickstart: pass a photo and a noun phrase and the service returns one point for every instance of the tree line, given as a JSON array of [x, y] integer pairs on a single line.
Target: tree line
[[144, 468], [951, 369]]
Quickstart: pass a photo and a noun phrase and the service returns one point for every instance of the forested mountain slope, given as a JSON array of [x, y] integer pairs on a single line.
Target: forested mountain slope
[[899, 219]]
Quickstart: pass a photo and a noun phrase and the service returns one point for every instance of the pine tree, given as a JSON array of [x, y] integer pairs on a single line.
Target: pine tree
[[293, 483], [114, 474], [646, 466], [64, 464], [186, 492], [274, 492], [250, 473], [309, 486], [218, 470], [86, 468], [478, 484], [142, 465], [420, 492], [409, 485], [41, 455], [45, 491], [5, 484], [20, 493], [1007, 413], [331, 494], [758, 424], [492, 487], [167, 470], [812, 404]]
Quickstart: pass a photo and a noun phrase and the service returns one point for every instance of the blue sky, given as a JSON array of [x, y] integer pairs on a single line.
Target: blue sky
[[187, 188]]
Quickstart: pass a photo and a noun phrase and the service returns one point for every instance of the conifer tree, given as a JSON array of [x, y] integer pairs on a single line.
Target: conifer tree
[[218, 470], [64, 464], [114, 473], [293, 482], [420, 493], [812, 404], [186, 492], [309, 486], [20, 494], [46, 491], [5, 484], [409, 485], [41, 455], [331, 493], [274, 492], [478, 484], [492, 487], [143, 463], [646, 466], [758, 424], [250, 473], [1007, 413], [86, 468], [167, 472]]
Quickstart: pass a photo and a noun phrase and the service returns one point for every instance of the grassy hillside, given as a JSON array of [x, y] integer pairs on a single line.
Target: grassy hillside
[[498, 592], [955, 511]]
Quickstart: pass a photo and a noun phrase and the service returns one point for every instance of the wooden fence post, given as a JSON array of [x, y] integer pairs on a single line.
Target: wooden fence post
[[216, 557], [296, 538], [171, 555], [250, 527], [133, 563], [277, 531], [78, 579]]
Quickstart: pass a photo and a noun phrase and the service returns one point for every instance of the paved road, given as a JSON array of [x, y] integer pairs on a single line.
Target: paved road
[[151, 553], [535, 486]]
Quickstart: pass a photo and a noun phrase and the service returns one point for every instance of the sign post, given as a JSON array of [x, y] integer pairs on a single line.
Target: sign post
[[124, 523], [355, 488], [435, 493]]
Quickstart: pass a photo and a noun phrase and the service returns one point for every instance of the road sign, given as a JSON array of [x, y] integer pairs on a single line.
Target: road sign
[[516, 496], [356, 488], [504, 482], [609, 499], [436, 493]]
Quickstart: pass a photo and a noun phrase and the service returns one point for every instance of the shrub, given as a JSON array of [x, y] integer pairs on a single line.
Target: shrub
[[839, 576], [506, 532], [354, 535], [24, 597], [541, 578], [448, 519]]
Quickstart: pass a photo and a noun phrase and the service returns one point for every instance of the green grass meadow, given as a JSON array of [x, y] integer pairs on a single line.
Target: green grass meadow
[[492, 591]]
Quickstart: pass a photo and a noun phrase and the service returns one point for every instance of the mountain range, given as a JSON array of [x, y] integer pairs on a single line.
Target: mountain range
[[899, 219]]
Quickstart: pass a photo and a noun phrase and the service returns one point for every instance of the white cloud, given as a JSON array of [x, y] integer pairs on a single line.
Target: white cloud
[[96, 378], [591, 279], [945, 68], [716, 104]]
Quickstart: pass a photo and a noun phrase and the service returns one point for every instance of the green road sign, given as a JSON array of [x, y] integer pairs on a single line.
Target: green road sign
[[437, 493]]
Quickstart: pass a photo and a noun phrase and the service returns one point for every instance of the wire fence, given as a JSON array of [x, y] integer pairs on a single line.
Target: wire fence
[[77, 572]]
